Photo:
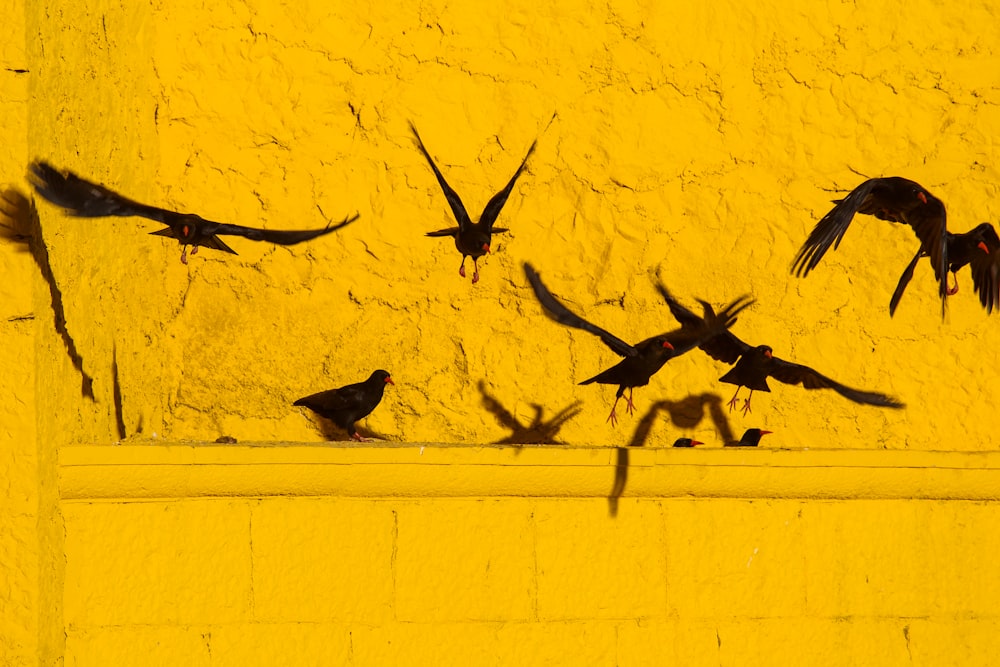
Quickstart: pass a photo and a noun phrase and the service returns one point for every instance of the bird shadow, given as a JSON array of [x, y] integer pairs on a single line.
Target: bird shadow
[[19, 222], [686, 414], [333, 433], [538, 432]]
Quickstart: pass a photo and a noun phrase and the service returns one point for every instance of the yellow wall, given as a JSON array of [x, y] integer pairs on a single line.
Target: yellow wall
[[703, 139]]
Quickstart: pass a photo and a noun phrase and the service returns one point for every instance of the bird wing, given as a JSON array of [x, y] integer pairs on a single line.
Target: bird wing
[[724, 346], [563, 315], [790, 373], [280, 236], [831, 228], [904, 280], [212, 241], [85, 199], [451, 231], [495, 205], [457, 207], [986, 271], [929, 222]]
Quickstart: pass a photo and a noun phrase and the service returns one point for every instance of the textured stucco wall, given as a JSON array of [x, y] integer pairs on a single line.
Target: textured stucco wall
[[705, 140]]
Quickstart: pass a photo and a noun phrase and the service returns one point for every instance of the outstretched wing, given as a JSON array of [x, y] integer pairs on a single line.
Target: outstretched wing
[[457, 207], [724, 346], [831, 228], [929, 223], [986, 271], [495, 205], [789, 373], [904, 280], [563, 315], [279, 236], [85, 199]]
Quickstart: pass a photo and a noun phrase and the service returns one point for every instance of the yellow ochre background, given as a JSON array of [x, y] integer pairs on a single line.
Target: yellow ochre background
[[695, 141]]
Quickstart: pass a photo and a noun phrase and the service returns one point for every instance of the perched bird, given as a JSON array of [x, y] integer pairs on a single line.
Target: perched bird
[[894, 199], [348, 404], [978, 248], [84, 199], [687, 442], [472, 238], [755, 364], [646, 357], [750, 439]]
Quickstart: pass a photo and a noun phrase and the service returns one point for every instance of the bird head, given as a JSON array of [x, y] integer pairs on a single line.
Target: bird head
[[383, 376], [766, 351], [687, 442]]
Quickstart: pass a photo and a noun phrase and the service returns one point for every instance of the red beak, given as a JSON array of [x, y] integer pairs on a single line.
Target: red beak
[[389, 380], [486, 248], [763, 432], [922, 197], [767, 354], [696, 442], [982, 246], [667, 345]]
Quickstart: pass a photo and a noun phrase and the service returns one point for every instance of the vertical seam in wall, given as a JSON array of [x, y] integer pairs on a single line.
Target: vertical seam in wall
[[534, 560], [253, 611], [392, 561]]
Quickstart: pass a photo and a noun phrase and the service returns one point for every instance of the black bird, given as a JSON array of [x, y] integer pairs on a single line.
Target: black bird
[[472, 238], [349, 404], [84, 199], [686, 442], [646, 357], [750, 439], [755, 364], [977, 247], [894, 199]]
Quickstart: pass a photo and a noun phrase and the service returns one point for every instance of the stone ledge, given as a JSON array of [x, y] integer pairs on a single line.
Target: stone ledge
[[549, 471]]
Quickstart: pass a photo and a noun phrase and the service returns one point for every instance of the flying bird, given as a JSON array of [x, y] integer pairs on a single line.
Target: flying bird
[[472, 238], [642, 360], [351, 403], [84, 199], [687, 442], [977, 248], [753, 365], [750, 439], [894, 199]]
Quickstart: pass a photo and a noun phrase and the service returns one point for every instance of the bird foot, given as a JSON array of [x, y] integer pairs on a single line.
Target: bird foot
[[746, 407], [360, 438], [475, 277], [613, 418], [461, 270], [630, 406], [952, 291], [184, 255], [732, 404]]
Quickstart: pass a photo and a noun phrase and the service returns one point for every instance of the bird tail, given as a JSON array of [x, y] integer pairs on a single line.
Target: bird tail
[[716, 323]]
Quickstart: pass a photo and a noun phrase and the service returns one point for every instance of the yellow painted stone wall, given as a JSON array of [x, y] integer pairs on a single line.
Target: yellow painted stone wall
[[702, 140]]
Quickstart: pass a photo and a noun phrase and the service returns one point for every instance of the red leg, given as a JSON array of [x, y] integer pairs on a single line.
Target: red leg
[[184, 254], [630, 406], [953, 290], [357, 436], [732, 402], [475, 271], [746, 404], [612, 417]]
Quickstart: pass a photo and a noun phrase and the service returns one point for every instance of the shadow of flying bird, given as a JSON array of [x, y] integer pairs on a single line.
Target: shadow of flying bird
[[900, 200], [642, 360], [84, 199], [349, 403], [686, 413], [753, 365], [472, 238], [538, 432]]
